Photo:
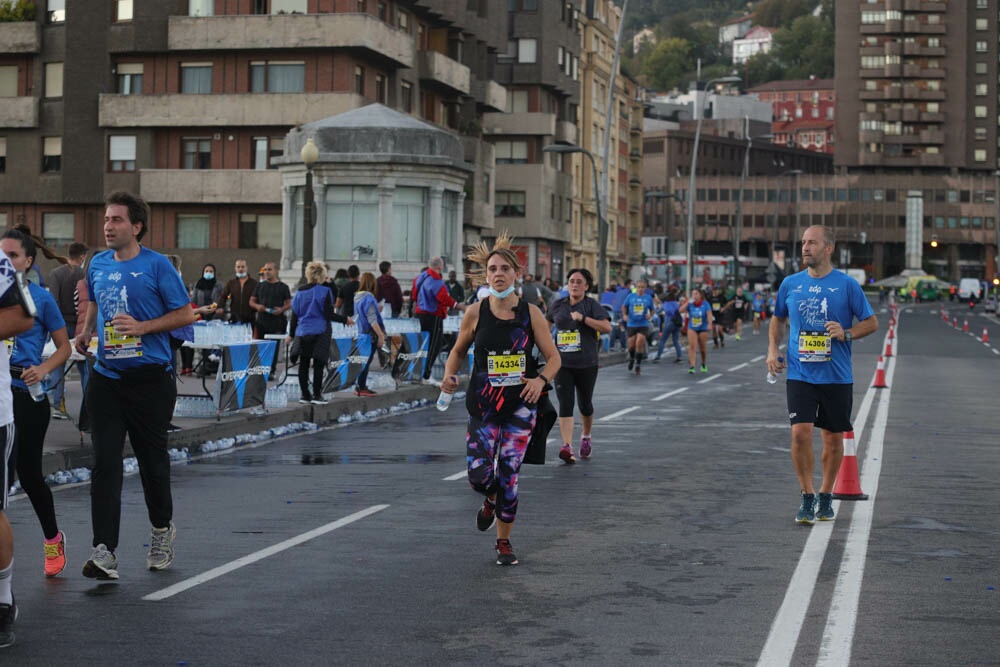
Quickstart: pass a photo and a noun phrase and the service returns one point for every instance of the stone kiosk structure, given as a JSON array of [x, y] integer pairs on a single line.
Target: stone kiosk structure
[[387, 186]]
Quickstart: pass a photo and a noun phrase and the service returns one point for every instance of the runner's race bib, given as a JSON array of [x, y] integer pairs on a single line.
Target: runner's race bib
[[716, 306], [814, 346], [638, 309], [506, 370], [568, 341], [118, 346], [696, 320]]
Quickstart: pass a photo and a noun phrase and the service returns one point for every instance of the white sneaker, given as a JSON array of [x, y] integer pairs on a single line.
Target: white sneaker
[[161, 548], [102, 564]]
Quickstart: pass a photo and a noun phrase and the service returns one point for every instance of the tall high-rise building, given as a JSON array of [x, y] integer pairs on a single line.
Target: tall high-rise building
[[917, 117], [540, 69]]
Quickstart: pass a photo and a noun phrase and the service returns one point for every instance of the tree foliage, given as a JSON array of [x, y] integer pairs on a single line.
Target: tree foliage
[[668, 64], [803, 50], [17, 10], [780, 13]]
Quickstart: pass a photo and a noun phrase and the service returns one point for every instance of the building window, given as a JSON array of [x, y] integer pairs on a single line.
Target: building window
[[517, 101], [192, 231], [56, 11], [981, 46], [53, 80], [3, 154], [406, 96], [265, 150], [129, 77], [409, 213], [288, 6], [380, 88], [982, 4], [980, 133], [527, 50], [58, 228], [52, 154], [260, 231], [123, 10], [277, 77], [509, 204], [362, 6], [359, 80], [979, 111], [121, 153], [981, 89], [355, 208], [8, 81], [196, 78], [403, 21], [197, 154], [982, 24], [979, 155], [382, 10], [201, 7], [512, 152], [981, 68]]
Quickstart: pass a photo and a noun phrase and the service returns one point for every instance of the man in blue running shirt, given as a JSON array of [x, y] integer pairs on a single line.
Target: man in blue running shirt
[[136, 299], [821, 305]]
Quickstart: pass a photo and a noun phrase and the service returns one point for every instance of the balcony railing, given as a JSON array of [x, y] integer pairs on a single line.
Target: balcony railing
[[20, 37], [18, 112]]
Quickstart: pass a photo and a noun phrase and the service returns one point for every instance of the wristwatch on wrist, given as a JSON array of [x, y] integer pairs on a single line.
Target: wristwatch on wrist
[[543, 378], [847, 336]]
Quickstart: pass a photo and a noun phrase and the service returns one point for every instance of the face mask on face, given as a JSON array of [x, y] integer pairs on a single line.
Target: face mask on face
[[242, 275], [504, 294], [208, 275]]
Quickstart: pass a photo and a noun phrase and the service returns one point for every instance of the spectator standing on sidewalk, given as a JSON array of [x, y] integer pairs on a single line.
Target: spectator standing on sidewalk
[[433, 303], [271, 299], [370, 325], [14, 321], [238, 292], [312, 312], [345, 295], [62, 284], [136, 299], [31, 417], [455, 290], [389, 289]]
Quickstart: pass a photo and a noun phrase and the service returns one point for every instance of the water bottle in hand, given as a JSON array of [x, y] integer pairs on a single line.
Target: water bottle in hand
[[444, 399], [37, 392], [771, 377]]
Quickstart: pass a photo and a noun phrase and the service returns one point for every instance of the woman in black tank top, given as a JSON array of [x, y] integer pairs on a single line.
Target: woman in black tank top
[[504, 388]]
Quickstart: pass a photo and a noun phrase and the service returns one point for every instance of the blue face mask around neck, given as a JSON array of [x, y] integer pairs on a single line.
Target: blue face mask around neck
[[504, 294]]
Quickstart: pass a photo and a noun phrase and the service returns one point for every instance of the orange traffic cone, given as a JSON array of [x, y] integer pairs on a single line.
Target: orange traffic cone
[[888, 348], [986, 336], [848, 485], [954, 322], [880, 375], [965, 326], [892, 332]]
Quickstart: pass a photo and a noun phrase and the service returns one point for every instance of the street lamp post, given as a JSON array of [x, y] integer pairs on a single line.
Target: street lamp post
[[777, 217], [699, 111], [309, 155], [602, 223]]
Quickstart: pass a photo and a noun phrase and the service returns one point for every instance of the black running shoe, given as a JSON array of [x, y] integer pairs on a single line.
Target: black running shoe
[[8, 614], [505, 553], [486, 517], [631, 362]]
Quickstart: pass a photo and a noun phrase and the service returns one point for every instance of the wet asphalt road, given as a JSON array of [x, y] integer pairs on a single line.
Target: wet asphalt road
[[673, 545]]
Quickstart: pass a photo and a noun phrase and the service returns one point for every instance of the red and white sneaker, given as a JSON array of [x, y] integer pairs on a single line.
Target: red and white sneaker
[[566, 453]]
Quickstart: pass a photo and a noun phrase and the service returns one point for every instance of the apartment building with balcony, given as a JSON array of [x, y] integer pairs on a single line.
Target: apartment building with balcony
[[803, 112], [189, 103], [620, 171], [916, 88], [540, 68]]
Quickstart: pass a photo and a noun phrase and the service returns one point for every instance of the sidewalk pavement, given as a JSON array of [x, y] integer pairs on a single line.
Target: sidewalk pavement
[[66, 447]]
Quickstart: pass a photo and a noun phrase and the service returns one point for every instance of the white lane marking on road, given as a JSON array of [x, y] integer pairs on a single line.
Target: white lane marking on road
[[710, 378], [615, 415], [996, 351], [736, 368], [757, 358], [784, 634], [249, 559], [663, 397], [838, 636], [457, 475]]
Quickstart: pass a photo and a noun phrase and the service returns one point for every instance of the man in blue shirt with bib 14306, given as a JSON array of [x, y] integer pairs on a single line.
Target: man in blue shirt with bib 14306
[[136, 298], [821, 305]]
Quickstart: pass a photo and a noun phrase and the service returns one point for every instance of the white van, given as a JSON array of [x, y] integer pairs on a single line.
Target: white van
[[969, 288]]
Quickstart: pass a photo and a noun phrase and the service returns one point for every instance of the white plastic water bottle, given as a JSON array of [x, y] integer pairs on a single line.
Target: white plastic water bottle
[[444, 400], [771, 377], [37, 391]]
